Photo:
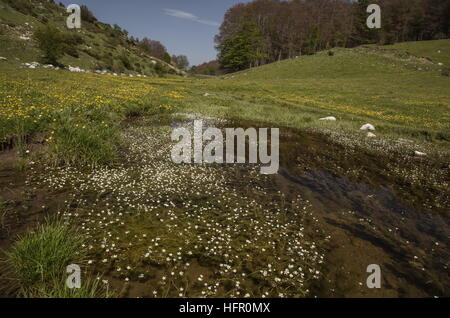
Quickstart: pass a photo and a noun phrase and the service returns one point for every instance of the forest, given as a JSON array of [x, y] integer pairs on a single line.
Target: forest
[[265, 31]]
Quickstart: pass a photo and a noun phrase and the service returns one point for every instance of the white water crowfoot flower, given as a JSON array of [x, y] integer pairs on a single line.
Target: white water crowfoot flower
[[214, 231]]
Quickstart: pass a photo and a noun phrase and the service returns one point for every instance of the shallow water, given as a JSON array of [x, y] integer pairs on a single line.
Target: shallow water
[[365, 218]]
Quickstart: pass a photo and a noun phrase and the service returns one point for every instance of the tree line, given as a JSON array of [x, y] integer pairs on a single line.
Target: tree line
[[265, 31]]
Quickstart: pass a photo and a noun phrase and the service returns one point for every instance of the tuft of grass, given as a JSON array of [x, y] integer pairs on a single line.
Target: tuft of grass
[[5, 210], [90, 288], [36, 265], [43, 254], [84, 145]]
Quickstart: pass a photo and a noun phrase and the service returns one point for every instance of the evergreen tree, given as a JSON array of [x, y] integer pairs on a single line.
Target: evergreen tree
[[361, 32], [242, 49]]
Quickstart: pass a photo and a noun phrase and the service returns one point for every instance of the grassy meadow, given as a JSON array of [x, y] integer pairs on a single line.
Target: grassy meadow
[[150, 228]]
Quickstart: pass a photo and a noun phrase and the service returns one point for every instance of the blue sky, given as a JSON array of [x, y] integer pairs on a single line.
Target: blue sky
[[184, 26]]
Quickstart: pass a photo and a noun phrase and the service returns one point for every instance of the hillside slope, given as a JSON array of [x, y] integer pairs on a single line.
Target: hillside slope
[[403, 95], [437, 51], [104, 48], [365, 61]]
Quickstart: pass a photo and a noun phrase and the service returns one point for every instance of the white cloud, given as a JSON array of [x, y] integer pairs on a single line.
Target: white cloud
[[188, 16]]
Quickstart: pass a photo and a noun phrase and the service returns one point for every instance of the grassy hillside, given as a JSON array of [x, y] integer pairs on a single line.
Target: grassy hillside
[[437, 51], [400, 94], [103, 47]]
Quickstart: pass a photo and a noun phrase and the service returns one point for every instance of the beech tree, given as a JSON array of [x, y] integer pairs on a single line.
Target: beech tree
[[154, 48], [286, 29]]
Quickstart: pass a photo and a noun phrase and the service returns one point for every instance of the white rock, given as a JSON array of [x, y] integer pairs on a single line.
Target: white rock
[[371, 135], [3, 58], [206, 94], [75, 69], [420, 154], [367, 127], [25, 38], [331, 118], [440, 64], [31, 65]]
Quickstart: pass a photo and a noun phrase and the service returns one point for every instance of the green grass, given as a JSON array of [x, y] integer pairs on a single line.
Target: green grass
[[402, 97], [36, 264], [5, 210], [43, 254], [428, 49], [78, 116], [90, 288]]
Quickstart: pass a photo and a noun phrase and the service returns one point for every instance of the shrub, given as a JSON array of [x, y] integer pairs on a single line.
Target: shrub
[[446, 71], [160, 69], [125, 61], [51, 41], [23, 6], [166, 58]]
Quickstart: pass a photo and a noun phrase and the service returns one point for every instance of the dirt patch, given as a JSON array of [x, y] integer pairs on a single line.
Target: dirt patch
[[22, 206]]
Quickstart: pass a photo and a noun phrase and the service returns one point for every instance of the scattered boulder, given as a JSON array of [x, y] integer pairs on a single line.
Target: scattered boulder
[[206, 94], [25, 38], [331, 118], [3, 58], [75, 69], [367, 127], [420, 154], [31, 65], [371, 135]]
